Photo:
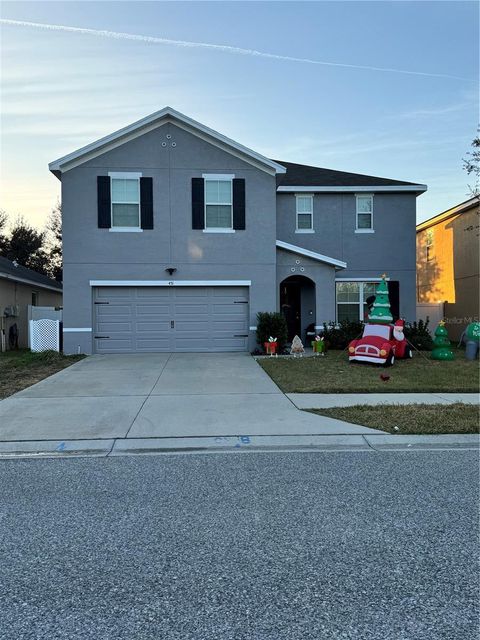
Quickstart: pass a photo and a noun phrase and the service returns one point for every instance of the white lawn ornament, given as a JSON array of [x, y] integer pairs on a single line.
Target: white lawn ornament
[[297, 347]]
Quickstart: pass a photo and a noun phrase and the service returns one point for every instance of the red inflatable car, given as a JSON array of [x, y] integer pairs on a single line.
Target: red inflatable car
[[380, 344]]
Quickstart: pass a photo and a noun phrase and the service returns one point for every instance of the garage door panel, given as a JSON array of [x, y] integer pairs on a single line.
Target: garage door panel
[[152, 344], [117, 327], [184, 319], [153, 327], [114, 310]]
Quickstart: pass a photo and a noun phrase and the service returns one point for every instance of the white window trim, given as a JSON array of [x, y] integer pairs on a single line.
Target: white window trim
[[217, 176], [361, 302], [357, 229], [125, 175], [303, 195]]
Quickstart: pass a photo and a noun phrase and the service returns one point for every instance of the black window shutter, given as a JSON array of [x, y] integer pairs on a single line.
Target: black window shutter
[[146, 203], [394, 297], [103, 202], [238, 203], [198, 203]]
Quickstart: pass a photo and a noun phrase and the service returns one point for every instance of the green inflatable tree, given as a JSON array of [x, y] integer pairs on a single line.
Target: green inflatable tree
[[441, 350], [381, 307]]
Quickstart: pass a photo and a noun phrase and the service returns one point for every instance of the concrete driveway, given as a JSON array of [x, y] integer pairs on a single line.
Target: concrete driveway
[[159, 396]]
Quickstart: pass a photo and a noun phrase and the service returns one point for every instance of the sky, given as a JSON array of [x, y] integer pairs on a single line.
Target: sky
[[400, 100]]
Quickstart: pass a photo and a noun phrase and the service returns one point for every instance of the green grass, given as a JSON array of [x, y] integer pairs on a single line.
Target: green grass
[[21, 369], [410, 418], [334, 374]]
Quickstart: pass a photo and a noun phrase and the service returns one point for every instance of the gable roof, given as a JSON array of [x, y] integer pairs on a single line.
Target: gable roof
[[338, 264], [308, 178], [9, 271], [153, 121], [449, 213]]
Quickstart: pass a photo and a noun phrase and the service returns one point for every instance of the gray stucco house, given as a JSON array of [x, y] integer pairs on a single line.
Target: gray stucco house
[[174, 237]]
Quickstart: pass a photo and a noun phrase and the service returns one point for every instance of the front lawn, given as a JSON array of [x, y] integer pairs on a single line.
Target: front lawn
[[410, 418], [334, 374], [21, 369]]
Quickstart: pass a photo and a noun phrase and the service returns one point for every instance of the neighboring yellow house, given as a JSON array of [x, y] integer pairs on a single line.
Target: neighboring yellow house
[[448, 264]]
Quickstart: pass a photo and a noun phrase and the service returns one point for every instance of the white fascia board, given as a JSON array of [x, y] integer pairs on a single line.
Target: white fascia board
[[170, 283], [441, 217], [32, 283], [149, 123], [296, 189], [311, 254]]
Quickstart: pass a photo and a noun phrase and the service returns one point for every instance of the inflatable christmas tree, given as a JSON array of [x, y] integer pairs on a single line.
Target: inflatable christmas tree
[[380, 312], [441, 350]]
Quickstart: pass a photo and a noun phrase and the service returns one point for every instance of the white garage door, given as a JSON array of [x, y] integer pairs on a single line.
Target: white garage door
[[151, 319]]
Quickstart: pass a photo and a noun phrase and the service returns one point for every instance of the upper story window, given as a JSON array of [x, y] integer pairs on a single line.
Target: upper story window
[[429, 244], [364, 214], [125, 190], [34, 298], [218, 203], [304, 209]]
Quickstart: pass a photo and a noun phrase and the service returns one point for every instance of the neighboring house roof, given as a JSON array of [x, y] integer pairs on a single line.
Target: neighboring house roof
[[151, 122], [459, 208], [307, 178], [9, 271], [339, 264]]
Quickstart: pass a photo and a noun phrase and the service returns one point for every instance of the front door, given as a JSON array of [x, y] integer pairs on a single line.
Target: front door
[[290, 305]]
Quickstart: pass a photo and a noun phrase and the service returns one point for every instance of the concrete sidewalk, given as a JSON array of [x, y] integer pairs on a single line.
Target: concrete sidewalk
[[328, 400]]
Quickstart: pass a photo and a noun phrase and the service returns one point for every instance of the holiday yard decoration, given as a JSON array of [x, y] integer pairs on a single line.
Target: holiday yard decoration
[[441, 350], [297, 347], [381, 341], [271, 346], [380, 311], [318, 345]]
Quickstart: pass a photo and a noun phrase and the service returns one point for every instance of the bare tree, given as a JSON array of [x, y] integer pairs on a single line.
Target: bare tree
[[471, 164]]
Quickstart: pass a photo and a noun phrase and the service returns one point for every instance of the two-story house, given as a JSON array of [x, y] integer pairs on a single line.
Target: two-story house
[[175, 237]]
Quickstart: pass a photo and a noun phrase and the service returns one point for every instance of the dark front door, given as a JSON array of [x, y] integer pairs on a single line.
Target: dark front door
[[291, 307]]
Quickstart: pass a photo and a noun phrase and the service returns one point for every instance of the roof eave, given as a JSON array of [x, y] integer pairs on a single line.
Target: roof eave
[[338, 264], [449, 213], [415, 188], [153, 120], [40, 285]]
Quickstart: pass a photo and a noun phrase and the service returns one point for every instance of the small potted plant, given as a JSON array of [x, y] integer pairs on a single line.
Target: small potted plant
[[271, 346], [318, 345]]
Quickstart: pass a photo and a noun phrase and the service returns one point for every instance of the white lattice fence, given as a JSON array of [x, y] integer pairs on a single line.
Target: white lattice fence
[[44, 335]]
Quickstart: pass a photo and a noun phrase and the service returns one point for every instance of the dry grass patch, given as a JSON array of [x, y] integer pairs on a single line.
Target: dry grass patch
[[334, 374], [410, 418], [21, 369]]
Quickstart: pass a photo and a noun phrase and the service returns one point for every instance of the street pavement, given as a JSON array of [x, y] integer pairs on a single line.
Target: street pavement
[[241, 546]]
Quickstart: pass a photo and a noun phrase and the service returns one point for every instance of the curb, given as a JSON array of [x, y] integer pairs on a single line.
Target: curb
[[55, 448], [233, 444], [395, 442]]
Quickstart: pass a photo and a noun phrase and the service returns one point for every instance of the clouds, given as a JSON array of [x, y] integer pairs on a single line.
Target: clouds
[[221, 48]]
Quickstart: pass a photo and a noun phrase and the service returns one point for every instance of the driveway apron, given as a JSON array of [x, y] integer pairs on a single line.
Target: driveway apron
[[159, 395]]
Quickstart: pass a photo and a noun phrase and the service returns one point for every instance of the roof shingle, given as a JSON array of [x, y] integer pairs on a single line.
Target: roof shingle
[[8, 268], [308, 176]]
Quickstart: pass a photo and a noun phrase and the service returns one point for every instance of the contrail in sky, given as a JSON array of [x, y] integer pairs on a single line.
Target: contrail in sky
[[215, 47]]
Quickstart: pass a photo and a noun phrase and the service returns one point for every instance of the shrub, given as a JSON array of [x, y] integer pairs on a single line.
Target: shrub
[[419, 335], [338, 336], [271, 324]]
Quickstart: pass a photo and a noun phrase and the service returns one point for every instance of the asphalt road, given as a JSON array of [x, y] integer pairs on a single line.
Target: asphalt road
[[246, 546]]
